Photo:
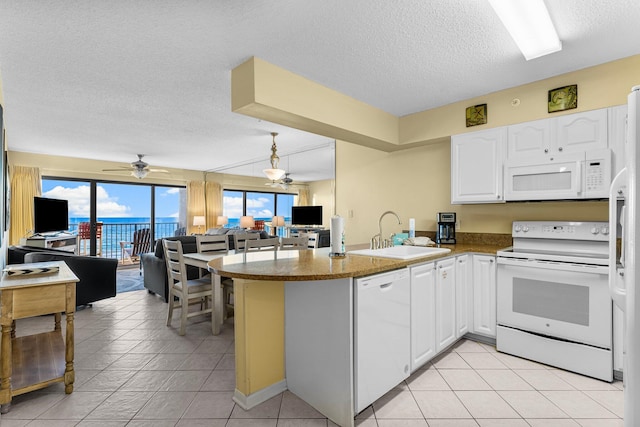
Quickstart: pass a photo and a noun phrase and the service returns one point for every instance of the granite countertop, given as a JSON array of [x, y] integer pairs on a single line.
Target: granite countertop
[[318, 265]]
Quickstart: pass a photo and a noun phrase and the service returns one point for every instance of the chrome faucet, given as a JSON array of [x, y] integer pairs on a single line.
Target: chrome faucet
[[377, 241]]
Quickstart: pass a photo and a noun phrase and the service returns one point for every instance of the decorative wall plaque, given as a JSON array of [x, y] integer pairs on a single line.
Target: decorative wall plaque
[[477, 115], [563, 98]]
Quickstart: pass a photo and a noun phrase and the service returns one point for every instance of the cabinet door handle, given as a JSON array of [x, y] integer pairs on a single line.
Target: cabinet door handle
[[559, 148], [546, 150], [491, 261]]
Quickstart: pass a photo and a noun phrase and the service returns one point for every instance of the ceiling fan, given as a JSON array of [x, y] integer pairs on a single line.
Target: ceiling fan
[[283, 183], [138, 169]]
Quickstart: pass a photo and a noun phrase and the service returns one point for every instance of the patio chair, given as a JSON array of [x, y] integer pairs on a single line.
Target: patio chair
[[84, 236], [140, 244]]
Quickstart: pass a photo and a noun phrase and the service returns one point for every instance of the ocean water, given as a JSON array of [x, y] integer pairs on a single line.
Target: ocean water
[[123, 220]]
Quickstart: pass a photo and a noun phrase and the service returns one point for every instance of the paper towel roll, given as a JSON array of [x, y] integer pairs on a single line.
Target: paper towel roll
[[337, 234]]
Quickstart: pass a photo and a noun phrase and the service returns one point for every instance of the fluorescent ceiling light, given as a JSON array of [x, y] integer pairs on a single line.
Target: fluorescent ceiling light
[[530, 26]]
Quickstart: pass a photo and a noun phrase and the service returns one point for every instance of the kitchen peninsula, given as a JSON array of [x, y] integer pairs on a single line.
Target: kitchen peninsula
[[315, 344]]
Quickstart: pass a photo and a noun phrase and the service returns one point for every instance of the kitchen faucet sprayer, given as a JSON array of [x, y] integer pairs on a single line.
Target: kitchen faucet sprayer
[[377, 241]]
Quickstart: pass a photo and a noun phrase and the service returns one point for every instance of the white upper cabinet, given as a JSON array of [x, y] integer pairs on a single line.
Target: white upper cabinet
[[581, 131], [571, 133], [476, 166], [478, 158], [529, 139]]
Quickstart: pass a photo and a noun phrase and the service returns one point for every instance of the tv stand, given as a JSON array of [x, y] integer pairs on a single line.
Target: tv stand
[[323, 236], [59, 241]]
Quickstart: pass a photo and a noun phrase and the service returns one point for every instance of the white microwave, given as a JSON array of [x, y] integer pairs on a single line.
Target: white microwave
[[582, 175]]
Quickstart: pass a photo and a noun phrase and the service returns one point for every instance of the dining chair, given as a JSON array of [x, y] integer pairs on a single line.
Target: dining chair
[[184, 292], [262, 245], [313, 239], [141, 243], [214, 244], [294, 243], [240, 238]]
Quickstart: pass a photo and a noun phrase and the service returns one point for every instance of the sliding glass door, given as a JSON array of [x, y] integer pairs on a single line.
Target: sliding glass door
[[106, 215]]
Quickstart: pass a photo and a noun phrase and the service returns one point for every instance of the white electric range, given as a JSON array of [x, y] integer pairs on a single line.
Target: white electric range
[[553, 302]]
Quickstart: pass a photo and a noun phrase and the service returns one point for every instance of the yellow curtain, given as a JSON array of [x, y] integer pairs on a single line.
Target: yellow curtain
[[213, 196], [26, 183], [195, 204], [303, 197]]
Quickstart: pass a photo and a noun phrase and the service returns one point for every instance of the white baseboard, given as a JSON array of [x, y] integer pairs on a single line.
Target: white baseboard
[[254, 399]]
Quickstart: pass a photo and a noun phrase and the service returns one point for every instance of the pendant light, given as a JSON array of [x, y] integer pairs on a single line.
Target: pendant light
[[274, 173]]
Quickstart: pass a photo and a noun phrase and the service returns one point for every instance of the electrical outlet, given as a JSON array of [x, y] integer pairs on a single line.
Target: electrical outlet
[[458, 225]]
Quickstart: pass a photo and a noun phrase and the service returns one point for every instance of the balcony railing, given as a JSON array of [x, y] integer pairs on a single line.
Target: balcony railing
[[113, 234]]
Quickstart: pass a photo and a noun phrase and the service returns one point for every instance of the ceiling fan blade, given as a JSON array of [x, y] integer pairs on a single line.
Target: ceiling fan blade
[[157, 170], [122, 169]]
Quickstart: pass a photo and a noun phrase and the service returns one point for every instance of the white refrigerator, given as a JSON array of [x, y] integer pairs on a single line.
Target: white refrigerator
[[623, 279]]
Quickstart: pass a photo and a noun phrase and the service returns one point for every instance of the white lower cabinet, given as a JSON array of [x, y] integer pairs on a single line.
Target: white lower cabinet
[[445, 303], [423, 314], [464, 295], [484, 295]]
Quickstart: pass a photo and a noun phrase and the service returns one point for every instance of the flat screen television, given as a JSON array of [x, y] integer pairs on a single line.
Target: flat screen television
[[50, 215], [306, 215]]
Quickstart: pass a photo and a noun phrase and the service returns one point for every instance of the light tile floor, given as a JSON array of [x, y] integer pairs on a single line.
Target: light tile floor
[[133, 370]]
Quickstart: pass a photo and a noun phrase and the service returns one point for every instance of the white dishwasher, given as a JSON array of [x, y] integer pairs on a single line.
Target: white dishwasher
[[382, 334]]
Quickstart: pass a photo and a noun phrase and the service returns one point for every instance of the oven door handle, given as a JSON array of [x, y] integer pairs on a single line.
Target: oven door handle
[[554, 265]]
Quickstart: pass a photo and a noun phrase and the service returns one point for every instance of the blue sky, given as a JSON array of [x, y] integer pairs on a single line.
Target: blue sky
[[114, 200]]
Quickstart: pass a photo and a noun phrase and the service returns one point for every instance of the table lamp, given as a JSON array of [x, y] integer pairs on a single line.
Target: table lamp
[[222, 221], [277, 221], [199, 221], [247, 222]]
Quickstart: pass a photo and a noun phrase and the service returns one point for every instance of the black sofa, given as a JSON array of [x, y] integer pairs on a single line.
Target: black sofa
[[154, 268], [97, 275]]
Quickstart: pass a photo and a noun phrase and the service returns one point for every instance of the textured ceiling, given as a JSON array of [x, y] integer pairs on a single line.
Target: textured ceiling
[[109, 79]]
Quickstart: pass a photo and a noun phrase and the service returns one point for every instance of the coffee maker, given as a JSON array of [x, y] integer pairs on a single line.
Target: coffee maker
[[446, 228]]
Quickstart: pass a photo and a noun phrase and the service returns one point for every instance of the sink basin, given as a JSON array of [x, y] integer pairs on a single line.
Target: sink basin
[[401, 252]]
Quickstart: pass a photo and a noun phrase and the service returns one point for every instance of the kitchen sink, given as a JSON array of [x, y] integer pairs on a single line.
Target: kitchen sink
[[401, 252]]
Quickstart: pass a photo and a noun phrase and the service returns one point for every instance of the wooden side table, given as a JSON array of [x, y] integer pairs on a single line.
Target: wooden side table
[[36, 361]]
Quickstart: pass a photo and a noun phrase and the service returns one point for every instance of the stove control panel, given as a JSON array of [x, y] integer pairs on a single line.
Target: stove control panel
[[561, 230]]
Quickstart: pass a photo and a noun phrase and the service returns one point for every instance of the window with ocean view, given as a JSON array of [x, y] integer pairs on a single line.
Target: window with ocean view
[[117, 210], [260, 205]]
